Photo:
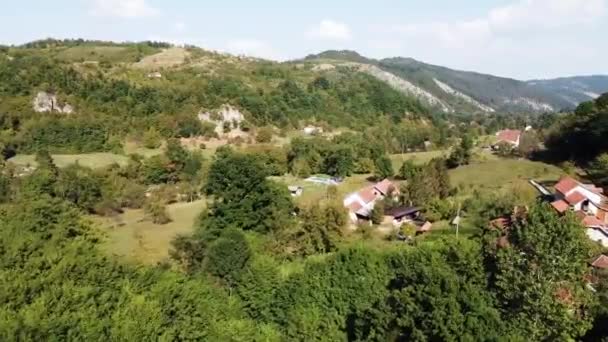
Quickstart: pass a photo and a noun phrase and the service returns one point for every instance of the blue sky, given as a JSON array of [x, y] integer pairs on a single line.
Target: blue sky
[[514, 38]]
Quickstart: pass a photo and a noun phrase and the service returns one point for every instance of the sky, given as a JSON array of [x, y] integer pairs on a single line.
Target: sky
[[524, 39]]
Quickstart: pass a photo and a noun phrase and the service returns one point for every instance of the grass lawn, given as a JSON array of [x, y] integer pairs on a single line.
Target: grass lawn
[[99, 53], [498, 174], [92, 160], [130, 237], [132, 147], [418, 158]]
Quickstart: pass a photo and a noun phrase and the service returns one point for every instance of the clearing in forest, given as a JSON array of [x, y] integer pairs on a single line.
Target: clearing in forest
[[131, 237], [92, 160], [165, 59]]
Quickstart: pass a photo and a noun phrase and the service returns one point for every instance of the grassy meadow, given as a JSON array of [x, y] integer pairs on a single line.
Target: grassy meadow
[[92, 160], [131, 236]]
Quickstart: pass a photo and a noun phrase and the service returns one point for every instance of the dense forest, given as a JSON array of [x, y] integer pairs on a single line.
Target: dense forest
[[259, 265]]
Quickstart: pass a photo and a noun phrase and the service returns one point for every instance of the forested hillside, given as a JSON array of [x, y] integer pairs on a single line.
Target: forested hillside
[[454, 90], [112, 95], [152, 192]]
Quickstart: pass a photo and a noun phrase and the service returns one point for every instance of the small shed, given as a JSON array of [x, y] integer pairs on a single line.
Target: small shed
[[296, 191], [600, 262], [399, 215]]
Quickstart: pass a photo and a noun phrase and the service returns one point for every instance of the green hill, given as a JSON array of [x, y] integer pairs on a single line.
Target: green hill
[[463, 91]]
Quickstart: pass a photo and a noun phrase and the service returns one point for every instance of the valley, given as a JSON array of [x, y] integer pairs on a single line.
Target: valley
[[152, 191]]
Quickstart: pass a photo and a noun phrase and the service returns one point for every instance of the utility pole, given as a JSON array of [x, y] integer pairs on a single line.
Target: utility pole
[[456, 220]]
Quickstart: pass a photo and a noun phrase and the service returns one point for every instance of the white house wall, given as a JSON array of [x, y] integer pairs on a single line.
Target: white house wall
[[597, 236]]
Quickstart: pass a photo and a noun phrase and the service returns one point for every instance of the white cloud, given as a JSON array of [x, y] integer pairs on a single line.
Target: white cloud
[[252, 48], [524, 38], [524, 16], [123, 8], [330, 30]]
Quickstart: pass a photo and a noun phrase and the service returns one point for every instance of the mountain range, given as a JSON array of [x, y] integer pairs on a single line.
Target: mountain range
[[459, 91]]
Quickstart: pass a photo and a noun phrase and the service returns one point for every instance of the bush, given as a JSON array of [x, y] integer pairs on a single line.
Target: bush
[[228, 255], [152, 138], [157, 211], [264, 135]]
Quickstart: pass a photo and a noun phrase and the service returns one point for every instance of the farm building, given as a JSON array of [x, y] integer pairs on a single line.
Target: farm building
[[361, 203]]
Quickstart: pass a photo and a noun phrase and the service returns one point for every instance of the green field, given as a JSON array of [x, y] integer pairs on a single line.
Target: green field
[[496, 174], [103, 53], [418, 158], [130, 237], [92, 160]]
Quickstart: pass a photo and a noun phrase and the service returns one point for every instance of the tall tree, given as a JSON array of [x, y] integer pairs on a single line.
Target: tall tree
[[539, 275]]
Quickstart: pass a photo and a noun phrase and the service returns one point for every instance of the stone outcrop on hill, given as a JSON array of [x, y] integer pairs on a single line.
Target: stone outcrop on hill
[[47, 103]]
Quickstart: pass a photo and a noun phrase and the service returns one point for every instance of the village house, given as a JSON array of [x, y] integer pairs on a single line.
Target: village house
[[312, 130], [508, 136], [361, 203], [589, 204], [295, 191], [600, 263]]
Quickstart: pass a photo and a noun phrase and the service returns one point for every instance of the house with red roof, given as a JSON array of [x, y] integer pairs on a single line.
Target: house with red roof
[[589, 204], [508, 136], [361, 203], [601, 262]]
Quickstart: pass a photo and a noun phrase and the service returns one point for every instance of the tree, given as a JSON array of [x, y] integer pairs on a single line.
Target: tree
[[340, 161], [599, 169], [80, 186], [157, 211], [243, 197], [228, 255], [364, 165], [539, 280], [45, 161], [377, 214], [435, 294], [383, 167], [152, 138], [461, 154], [408, 169], [437, 173]]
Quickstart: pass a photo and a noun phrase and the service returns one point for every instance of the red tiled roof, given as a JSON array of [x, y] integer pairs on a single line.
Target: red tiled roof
[[575, 198], [600, 262], [592, 221], [355, 206], [384, 186], [501, 222], [426, 227], [561, 206], [580, 214], [509, 135], [566, 184], [367, 194]]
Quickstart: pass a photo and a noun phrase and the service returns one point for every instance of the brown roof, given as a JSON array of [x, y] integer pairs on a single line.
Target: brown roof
[[580, 214], [575, 198], [592, 221], [501, 222], [425, 227], [561, 206], [367, 194], [384, 186], [600, 262], [566, 184], [509, 135]]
